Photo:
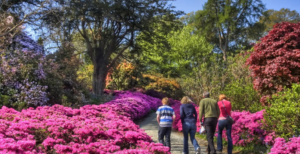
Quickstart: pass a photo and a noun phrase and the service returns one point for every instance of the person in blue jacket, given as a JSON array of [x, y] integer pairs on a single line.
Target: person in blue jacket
[[188, 116]]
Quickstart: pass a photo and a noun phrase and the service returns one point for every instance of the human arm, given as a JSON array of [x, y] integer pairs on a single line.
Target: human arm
[[218, 110], [195, 113], [229, 107], [158, 115], [201, 110], [181, 113], [174, 117]]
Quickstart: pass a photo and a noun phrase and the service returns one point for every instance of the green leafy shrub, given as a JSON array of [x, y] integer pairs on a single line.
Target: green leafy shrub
[[65, 102], [4, 100], [283, 116], [101, 99], [243, 96], [63, 83], [239, 88], [209, 75]]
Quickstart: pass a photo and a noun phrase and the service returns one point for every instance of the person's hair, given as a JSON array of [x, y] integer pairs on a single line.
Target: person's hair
[[185, 100], [222, 96], [206, 94], [165, 101]]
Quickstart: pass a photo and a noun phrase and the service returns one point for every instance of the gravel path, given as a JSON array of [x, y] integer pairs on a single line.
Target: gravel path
[[150, 125]]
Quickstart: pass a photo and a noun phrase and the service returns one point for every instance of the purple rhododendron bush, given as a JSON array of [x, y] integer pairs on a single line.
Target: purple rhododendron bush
[[106, 128]]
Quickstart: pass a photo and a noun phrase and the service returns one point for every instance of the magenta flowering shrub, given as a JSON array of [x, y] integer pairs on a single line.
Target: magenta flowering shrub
[[281, 146], [248, 128], [106, 128]]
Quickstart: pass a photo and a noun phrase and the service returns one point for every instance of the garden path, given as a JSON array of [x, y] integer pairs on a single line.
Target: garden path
[[150, 125]]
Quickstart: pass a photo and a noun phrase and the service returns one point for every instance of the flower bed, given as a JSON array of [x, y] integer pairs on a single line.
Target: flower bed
[[106, 128]]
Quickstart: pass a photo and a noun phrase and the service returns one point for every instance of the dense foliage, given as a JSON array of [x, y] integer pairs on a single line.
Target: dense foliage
[[230, 25], [108, 28], [63, 81], [239, 88], [156, 54], [275, 62], [284, 109], [273, 17], [125, 76], [168, 87], [209, 75], [174, 53]]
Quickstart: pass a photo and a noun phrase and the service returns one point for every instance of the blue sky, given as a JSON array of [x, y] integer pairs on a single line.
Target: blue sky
[[194, 5]]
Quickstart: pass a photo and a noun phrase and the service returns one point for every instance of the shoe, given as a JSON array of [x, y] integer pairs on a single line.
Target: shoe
[[198, 151], [208, 152], [219, 151]]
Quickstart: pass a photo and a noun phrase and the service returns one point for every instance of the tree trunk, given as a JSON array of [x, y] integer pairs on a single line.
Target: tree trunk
[[99, 75], [224, 55]]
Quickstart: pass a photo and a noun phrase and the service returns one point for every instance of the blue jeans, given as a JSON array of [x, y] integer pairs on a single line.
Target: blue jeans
[[189, 128], [221, 125]]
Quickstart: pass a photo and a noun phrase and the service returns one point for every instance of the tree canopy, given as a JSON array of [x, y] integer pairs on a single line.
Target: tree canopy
[[230, 24], [273, 17], [108, 28]]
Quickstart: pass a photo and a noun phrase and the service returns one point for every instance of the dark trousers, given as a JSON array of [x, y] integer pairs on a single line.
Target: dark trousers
[[224, 124], [210, 125], [165, 132]]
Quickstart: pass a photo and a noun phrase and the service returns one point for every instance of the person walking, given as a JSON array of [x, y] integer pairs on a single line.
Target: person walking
[[225, 109], [210, 110], [188, 116], [165, 118]]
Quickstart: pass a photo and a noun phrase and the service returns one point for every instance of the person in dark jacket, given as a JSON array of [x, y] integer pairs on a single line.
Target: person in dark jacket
[[188, 116]]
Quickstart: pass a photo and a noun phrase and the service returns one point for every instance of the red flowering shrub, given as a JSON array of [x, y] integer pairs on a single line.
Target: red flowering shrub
[[275, 62]]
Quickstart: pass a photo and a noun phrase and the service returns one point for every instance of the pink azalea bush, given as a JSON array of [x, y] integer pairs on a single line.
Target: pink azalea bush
[[248, 128], [106, 128], [282, 147]]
